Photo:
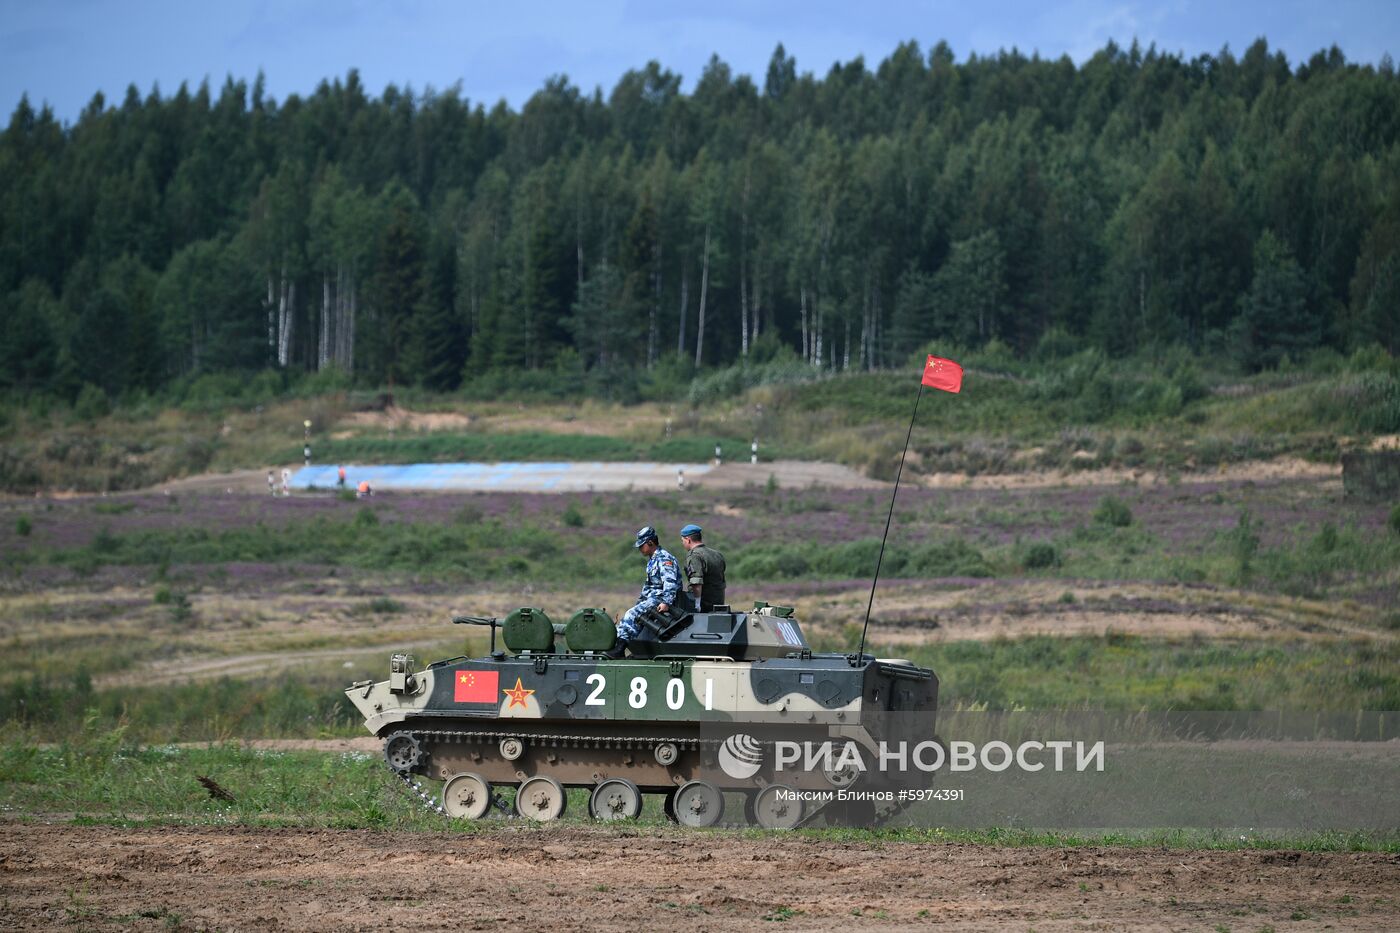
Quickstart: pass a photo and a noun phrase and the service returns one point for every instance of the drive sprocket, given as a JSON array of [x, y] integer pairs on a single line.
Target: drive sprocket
[[403, 752]]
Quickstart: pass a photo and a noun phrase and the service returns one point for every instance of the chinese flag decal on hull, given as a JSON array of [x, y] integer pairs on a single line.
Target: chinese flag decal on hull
[[476, 686], [943, 374]]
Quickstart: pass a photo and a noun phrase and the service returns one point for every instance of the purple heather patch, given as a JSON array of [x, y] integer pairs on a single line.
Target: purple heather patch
[[1183, 516]]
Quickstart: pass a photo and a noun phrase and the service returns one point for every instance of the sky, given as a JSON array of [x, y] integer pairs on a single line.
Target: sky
[[61, 52]]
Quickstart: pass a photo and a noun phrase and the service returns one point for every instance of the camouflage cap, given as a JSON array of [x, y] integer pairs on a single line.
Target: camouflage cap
[[644, 534]]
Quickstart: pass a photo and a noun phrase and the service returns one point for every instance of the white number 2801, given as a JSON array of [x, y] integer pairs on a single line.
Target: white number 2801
[[637, 695]]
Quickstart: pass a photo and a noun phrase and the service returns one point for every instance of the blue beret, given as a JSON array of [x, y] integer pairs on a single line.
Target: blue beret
[[691, 529]]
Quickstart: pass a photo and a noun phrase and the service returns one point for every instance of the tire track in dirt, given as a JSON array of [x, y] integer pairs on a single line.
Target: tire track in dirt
[[600, 879]]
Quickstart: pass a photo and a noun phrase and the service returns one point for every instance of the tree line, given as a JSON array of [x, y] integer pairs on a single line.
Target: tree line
[[1238, 206]]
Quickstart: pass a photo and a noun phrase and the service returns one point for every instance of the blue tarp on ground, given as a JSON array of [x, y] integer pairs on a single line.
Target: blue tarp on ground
[[537, 477]]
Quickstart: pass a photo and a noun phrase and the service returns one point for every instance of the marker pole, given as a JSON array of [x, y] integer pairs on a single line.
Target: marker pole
[[879, 560]]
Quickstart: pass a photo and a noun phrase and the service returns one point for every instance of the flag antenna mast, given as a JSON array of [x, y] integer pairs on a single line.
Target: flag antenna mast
[[860, 653]]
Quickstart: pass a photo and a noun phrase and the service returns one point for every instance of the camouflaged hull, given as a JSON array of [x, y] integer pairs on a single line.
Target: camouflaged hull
[[582, 719]]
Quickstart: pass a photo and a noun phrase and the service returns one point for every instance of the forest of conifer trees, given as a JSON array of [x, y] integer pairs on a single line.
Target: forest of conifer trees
[[1240, 206]]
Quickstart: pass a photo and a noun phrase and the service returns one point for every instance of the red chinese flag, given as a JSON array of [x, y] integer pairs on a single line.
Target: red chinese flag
[[476, 686], [943, 374]]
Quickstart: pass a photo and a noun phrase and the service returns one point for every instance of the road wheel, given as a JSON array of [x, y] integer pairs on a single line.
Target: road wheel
[[777, 807], [698, 803], [466, 796], [541, 798], [615, 799]]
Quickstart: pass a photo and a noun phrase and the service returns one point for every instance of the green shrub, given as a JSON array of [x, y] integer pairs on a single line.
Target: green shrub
[[1113, 511], [947, 559], [181, 612], [1332, 554], [1326, 540], [669, 380], [572, 516], [380, 605], [104, 542], [1367, 402], [1056, 343], [23, 526], [213, 391], [162, 596], [1244, 545], [265, 386], [92, 403], [789, 564], [1039, 555], [1395, 519], [784, 368]]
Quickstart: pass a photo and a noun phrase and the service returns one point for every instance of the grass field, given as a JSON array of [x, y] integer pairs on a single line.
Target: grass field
[[107, 781]]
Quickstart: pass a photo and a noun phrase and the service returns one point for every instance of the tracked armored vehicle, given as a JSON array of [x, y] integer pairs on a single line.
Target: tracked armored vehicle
[[695, 714]]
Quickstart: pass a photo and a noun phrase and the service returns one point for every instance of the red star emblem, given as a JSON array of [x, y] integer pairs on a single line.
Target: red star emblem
[[517, 694]]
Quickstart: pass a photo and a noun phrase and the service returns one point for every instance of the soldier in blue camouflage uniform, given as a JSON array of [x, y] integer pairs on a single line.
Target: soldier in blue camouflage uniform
[[659, 592]]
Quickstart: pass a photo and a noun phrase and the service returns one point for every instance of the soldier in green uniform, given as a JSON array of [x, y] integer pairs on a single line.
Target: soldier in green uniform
[[704, 570]]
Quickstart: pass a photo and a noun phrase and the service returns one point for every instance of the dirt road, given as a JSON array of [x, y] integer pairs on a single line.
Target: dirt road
[[597, 879], [800, 474], [576, 477]]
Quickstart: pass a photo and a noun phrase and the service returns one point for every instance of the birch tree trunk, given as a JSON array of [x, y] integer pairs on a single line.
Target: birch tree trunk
[[323, 345], [655, 313], [286, 307], [864, 326], [270, 306], [704, 288], [743, 311], [820, 298], [802, 305], [350, 327], [743, 269], [526, 290], [343, 338], [338, 298], [342, 301], [757, 302], [578, 236], [685, 299], [879, 332], [281, 317]]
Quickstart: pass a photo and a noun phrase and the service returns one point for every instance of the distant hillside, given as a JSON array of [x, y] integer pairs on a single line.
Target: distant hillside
[[1077, 412]]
